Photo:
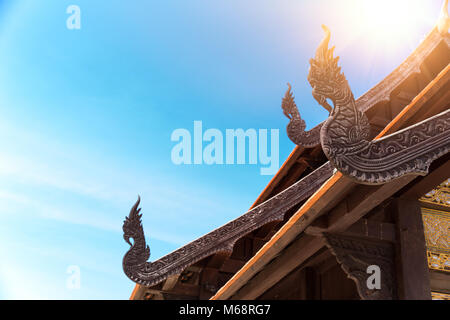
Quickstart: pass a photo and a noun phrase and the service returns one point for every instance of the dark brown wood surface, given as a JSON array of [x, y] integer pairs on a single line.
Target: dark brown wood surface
[[411, 255]]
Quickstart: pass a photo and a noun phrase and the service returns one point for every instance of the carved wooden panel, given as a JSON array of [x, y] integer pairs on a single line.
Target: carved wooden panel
[[356, 254], [437, 229], [440, 195], [438, 261], [437, 236], [440, 296]]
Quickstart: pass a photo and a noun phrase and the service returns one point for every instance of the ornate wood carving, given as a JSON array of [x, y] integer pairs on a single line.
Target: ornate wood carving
[[135, 263], [381, 92], [438, 261], [440, 296], [439, 195], [296, 127], [221, 239], [437, 229], [437, 236], [356, 254], [139, 252], [344, 136]]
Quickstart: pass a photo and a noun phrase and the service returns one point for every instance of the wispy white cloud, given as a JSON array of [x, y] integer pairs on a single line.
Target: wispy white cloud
[[93, 219], [43, 162], [48, 181], [18, 283]]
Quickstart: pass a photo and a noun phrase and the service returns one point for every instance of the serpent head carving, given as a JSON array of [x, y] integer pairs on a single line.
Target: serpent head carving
[[296, 127], [345, 135], [132, 229], [324, 73]]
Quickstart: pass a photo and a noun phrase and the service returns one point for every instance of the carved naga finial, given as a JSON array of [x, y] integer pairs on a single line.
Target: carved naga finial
[[136, 258], [345, 134], [443, 23], [323, 65], [347, 129], [296, 127]]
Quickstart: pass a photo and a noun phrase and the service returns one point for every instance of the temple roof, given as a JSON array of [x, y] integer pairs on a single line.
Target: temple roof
[[334, 190], [306, 183]]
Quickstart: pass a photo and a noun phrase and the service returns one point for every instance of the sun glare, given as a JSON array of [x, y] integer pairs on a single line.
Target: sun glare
[[390, 21]]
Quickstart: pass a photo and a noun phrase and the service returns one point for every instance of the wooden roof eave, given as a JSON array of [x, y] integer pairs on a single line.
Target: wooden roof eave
[[411, 65], [325, 198], [379, 93], [222, 240], [382, 91]]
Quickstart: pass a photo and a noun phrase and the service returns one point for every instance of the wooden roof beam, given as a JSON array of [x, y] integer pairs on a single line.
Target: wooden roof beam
[[291, 258], [328, 196], [170, 282], [440, 281], [425, 184], [358, 203], [372, 229], [403, 118]]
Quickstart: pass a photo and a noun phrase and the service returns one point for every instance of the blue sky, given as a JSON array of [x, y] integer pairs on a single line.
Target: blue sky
[[86, 118]]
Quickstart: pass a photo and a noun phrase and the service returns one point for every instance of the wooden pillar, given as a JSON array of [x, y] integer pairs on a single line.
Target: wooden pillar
[[411, 255], [312, 287]]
